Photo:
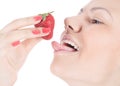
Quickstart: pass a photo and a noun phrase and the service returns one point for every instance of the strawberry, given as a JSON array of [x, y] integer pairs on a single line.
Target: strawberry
[[47, 22]]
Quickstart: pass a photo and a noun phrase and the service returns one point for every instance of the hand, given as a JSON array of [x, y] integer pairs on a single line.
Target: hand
[[16, 41]]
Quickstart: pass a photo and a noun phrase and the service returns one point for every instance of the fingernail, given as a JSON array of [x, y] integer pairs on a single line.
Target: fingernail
[[46, 30], [15, 43], [38, 18], [36, 32]]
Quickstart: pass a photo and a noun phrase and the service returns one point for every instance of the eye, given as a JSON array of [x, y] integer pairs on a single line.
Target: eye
[[96, 21]]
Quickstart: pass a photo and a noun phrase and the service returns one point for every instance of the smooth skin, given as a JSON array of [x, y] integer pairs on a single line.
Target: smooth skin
[[16, 42], [96, 30]]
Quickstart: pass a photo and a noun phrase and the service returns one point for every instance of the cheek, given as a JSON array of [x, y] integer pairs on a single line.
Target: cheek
[[97, 55], [97, 40], [99, 46]]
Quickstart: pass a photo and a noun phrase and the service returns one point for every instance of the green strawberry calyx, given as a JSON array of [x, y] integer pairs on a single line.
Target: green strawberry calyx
[[44, 15]]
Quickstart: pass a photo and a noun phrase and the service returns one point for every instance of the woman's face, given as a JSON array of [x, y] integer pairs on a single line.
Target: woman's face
[[90, 45]]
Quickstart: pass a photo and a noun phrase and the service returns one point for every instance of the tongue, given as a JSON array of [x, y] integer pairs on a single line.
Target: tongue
[[58, 47]]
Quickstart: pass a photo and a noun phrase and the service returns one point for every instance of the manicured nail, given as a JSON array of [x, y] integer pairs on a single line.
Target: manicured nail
[[36, 32], [15, 43], [38, 18], [46, 30]]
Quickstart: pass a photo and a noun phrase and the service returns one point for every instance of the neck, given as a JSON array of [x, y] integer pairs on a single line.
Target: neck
[[113, 80]]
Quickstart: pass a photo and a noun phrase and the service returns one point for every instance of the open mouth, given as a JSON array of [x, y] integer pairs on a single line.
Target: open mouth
[[66, 44], [69, 44]]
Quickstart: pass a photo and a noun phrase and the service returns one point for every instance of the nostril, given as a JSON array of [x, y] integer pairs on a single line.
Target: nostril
[[75, 29], [70, 27]]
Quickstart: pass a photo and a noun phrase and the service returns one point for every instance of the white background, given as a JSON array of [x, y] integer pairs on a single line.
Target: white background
[[36, 70]]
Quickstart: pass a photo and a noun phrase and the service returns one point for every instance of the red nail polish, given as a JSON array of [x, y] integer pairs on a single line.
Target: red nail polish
[[38, 18], [15, 43], [36, 32], [46, 30]]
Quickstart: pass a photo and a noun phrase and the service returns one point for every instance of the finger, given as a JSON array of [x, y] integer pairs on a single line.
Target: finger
[[15, 37], [22, 22], [30, 43]]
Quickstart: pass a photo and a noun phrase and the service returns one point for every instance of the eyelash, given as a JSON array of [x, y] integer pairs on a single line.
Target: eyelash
[[95, 21]]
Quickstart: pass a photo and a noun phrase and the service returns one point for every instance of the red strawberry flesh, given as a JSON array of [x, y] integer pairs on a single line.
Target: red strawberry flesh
[[47, 22]]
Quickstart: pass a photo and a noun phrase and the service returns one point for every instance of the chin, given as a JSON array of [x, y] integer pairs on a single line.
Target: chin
[[66, 72], [57, 68]]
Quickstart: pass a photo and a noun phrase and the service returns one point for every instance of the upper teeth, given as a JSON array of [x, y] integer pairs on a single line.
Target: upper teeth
[[71, 43]]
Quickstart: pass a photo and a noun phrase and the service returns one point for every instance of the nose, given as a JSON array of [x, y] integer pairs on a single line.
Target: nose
[[73, 24]]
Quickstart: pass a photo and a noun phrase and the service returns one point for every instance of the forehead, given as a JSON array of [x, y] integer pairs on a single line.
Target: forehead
[[110, 4]]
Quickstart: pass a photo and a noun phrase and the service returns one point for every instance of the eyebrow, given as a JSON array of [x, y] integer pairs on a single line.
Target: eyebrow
[[100, 8], [95, 9]]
